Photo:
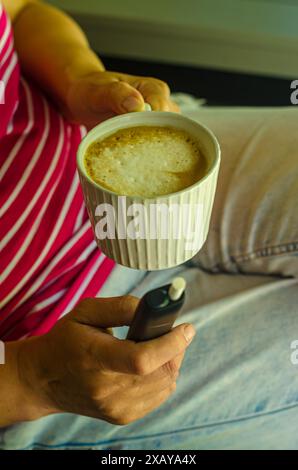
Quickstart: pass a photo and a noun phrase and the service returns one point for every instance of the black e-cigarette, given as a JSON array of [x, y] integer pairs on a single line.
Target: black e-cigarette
[[157, 311]]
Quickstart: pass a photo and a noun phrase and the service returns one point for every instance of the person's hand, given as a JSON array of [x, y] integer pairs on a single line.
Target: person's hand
[[94, 98], [80, 367]]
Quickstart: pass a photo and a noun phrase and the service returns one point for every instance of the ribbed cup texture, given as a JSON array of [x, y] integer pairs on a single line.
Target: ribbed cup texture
[[163, 239]]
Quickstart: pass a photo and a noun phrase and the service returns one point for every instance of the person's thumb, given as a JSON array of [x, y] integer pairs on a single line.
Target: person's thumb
[[117, 96], [106, 312]]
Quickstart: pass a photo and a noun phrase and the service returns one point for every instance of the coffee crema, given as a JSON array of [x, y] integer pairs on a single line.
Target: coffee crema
[[146, 161]]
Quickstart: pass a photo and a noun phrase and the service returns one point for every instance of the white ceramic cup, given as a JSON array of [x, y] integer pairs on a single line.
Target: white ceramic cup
[[151, 233]]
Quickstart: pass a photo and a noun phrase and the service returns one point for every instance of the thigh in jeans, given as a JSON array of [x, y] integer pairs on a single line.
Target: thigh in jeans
[[254, 224]]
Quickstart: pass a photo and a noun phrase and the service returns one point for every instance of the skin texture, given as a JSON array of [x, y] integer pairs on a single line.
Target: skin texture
[[91, 370], [87, 373]]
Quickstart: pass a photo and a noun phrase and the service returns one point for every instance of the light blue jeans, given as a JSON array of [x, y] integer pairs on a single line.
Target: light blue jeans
[[238, 388]]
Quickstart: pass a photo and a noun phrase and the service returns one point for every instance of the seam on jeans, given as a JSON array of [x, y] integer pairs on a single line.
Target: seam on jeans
[[267, 251], [274, 250], [162, 434]]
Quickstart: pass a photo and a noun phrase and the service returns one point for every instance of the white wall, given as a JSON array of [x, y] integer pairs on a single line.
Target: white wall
[[258, 36]]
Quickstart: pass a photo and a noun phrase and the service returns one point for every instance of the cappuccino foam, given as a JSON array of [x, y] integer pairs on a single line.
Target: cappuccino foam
[[146, 161]]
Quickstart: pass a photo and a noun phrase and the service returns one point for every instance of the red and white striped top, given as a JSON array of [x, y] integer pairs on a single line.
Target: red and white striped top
[[49, 259]]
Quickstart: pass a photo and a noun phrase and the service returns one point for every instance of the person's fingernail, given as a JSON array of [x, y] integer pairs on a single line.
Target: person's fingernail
[[131, 104], [189, 333]]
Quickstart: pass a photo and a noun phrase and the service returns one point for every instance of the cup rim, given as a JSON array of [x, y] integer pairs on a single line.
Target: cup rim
[[132, 121]]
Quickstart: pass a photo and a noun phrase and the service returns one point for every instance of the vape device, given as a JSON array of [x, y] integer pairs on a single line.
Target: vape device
[[157, 311]]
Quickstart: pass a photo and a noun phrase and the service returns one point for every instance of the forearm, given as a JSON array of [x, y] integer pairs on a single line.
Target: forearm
[[20, 398], [52, 49], [12, 404]]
